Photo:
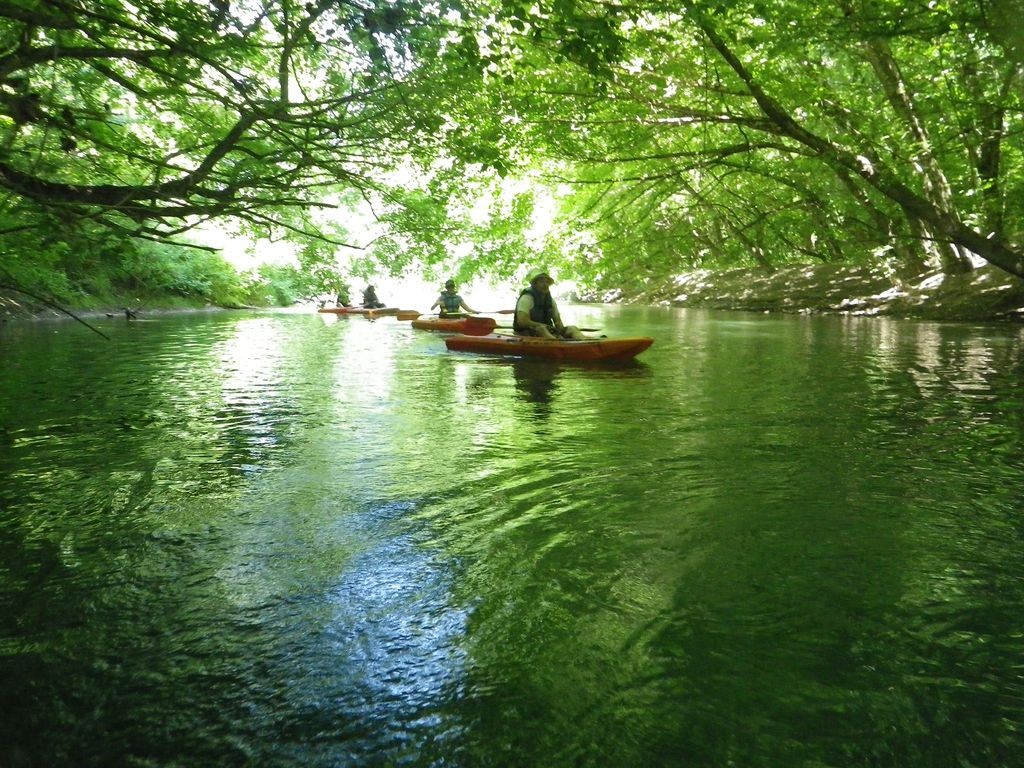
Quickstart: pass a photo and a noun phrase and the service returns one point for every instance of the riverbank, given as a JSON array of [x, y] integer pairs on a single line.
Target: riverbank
[[18, 306], [985, 294]]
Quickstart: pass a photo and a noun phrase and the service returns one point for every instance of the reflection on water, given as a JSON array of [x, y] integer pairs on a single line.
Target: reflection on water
[[285, 539], [535, 379], [538, 381]]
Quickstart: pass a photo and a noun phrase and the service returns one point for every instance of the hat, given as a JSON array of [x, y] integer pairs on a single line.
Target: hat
[[533, 274]]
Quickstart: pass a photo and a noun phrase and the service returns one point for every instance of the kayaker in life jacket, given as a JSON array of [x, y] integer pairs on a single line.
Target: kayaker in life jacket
[[370, 300], [450, 302], [536, 311]]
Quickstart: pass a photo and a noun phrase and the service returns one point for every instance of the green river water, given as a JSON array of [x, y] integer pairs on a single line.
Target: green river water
[[282, 539]]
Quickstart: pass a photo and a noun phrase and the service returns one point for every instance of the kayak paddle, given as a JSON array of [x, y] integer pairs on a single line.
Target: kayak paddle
[[587, 330]]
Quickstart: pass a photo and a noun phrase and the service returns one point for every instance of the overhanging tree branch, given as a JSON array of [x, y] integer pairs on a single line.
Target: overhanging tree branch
[[872, 171]]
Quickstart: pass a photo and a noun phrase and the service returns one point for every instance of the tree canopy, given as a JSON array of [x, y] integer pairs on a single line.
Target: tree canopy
[[768, 132], [671, 135], [153, 115]]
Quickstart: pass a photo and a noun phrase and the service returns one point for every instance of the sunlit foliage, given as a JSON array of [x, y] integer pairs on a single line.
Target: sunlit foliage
[[673, 135]]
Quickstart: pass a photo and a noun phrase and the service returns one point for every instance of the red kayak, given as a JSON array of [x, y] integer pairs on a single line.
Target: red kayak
[[360, 311], [552, 349], [474, 326]]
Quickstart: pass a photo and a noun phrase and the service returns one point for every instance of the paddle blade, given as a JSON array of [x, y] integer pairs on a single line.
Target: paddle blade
[[407, 314]]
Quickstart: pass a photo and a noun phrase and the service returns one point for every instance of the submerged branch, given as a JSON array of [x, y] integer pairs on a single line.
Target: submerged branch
[[54, 306]]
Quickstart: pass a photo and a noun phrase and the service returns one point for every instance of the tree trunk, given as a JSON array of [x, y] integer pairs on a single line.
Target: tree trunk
[[952, 258], [908, 256], [943, 222], [987, 152]]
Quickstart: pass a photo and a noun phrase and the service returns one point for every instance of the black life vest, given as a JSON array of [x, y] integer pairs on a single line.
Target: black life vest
[[543, 309]]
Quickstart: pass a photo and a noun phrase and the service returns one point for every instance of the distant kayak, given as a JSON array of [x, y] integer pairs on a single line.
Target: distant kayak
[[552, 349], [360, 311], [474, 326]]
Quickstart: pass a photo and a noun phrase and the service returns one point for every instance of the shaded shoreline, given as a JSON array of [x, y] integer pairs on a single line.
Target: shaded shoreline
[[15, 306], [984, 294]]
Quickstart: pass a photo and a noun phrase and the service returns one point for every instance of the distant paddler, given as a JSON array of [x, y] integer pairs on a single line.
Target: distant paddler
[[342, 300], [370, 300], [450, 302]]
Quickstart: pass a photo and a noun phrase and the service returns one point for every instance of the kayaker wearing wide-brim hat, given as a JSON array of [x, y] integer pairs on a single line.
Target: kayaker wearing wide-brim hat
[[536, 311]]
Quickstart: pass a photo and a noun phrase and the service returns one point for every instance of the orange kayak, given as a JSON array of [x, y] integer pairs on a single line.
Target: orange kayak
[[468, 325], [360, 311], [552, 349]]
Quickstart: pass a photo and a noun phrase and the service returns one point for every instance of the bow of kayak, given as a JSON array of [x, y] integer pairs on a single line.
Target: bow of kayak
[[468, 325], [552, 349]]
